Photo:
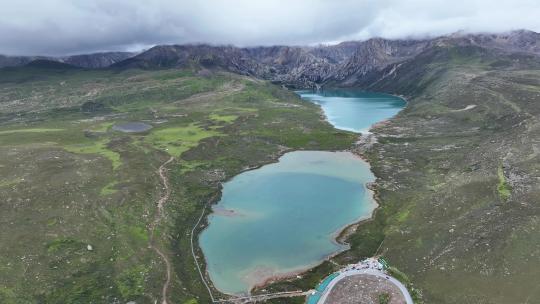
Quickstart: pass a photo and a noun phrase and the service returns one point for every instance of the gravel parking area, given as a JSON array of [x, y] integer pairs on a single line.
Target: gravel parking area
[[365, 289]]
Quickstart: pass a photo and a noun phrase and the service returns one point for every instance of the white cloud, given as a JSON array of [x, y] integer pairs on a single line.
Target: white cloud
[[56, 27]]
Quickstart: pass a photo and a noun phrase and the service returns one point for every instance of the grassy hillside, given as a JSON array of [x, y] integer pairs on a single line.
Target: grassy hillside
[[78, 197], [459, 174], [457, 179]]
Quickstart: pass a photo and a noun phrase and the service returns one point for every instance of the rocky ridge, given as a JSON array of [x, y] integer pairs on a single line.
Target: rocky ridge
[[351, 63]]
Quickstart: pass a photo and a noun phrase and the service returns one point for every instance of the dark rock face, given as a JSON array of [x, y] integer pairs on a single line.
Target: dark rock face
[[375, 55], [345, 64]]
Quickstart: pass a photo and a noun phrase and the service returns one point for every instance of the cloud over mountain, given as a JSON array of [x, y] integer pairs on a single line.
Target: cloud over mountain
[[59, 27]]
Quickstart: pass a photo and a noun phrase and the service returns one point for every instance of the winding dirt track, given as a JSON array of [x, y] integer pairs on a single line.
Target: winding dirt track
[[159, 215]]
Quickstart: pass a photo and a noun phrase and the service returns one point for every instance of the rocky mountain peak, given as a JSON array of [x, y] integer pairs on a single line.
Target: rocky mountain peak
[[344, 64]]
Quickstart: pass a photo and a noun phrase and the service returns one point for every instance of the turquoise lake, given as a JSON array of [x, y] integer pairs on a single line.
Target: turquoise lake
[[354, 110], [283, 217]]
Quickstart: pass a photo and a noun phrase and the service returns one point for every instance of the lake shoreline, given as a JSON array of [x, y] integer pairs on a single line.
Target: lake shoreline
[[339, 237], [343, 234], [255, 268]]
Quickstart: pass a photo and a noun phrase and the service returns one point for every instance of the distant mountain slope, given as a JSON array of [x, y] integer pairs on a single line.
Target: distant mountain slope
[[14, 61], [295, 66], [91, 61], [97, 60], [50, 64], [521, 41], [344, 64]]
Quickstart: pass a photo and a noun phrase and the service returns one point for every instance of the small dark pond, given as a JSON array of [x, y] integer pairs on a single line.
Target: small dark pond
[[132, 127]]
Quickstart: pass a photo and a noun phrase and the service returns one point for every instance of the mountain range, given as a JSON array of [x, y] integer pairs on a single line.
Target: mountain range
[[352, 63]]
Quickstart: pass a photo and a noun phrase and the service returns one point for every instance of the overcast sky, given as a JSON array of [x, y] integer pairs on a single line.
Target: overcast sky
[[60, 27]]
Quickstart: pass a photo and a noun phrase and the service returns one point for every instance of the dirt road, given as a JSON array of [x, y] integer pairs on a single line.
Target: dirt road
[[166, 192]]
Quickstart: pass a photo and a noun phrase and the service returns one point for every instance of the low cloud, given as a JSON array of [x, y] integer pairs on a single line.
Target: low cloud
[[60, 27]]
